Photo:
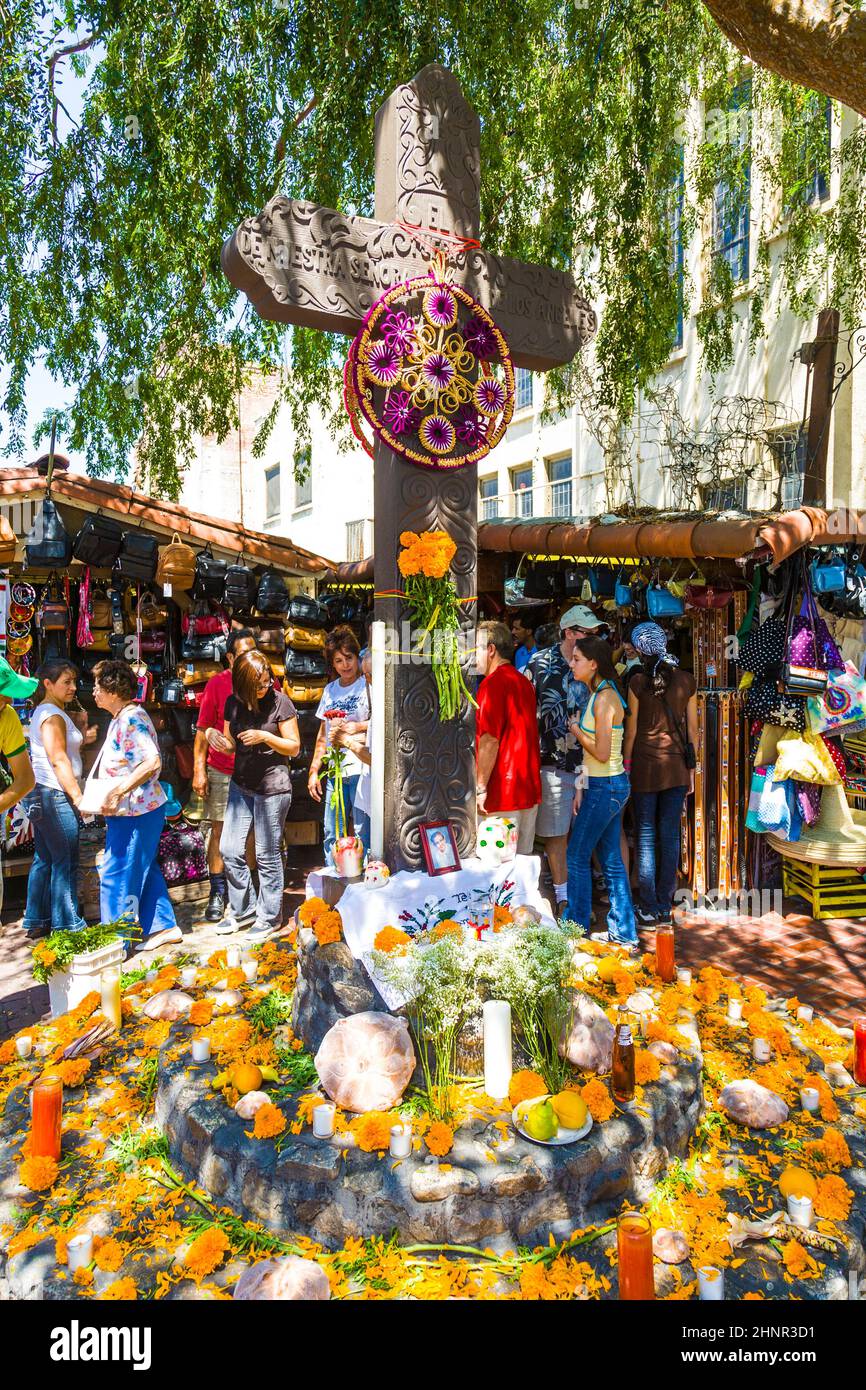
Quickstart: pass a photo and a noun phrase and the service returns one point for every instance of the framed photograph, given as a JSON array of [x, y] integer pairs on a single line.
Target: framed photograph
[[439, 846]]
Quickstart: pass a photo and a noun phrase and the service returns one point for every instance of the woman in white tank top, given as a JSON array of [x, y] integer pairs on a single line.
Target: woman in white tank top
[[55, 752]]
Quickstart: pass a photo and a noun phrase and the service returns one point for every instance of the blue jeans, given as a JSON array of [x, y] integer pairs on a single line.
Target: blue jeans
[[267, 814], [597, 828], [350, 786], [361, 822], [657, 816], [52, 886], [131, 881]]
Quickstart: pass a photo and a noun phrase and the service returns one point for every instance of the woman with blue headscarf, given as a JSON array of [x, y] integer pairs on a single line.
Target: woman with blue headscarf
[[659, 755]]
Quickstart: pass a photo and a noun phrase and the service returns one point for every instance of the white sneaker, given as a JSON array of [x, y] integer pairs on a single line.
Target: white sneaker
[[260, 932], [229, 925], [166, 937]]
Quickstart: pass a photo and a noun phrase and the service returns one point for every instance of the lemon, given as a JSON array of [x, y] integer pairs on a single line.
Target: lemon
[[540, 1121], [571, 1109], [797, 1182]]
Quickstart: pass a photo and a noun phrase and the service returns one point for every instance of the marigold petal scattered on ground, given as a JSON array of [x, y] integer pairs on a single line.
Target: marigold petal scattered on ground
[[598, 1099], [121, 1289], [207, 1252]]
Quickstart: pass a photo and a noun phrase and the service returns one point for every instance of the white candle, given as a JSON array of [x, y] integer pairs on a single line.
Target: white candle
[[761, 1050], [735, 1010], [497, 1048], [79, 1250], [323, 1120], [401, 1141], [809, 1098], [684, 977], [711, 1283], [201, 1049], [800, 1211], [377, 743], [233, 957], [188, 976], [251, 970], [804, 1013], [109, 992], [732, 1167], [23, 1046]]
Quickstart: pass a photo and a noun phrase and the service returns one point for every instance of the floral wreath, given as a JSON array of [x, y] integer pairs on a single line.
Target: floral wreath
[[435, 386]]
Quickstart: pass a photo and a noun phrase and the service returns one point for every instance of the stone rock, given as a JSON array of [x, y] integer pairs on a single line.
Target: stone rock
[[247, 1106], [225, 999], [753, 1105], [588, 1038], [366, 1062], [171, 1004], [281, 1280], [837, 1075], [665, 1051], [432, 1184], [331, 985], [670, 1246], [641, 1002]]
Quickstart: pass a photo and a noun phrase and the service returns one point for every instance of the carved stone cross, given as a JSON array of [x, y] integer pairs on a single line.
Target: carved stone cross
[[305, 264]]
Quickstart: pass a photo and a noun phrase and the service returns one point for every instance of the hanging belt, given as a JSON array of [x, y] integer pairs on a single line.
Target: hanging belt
[[699, 872], [724, 799]]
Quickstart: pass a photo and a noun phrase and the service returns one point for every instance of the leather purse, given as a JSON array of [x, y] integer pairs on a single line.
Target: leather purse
[[827, 576], [100, 637], [798, 678], [203, 649], [210, 575], [271, 639], [305, 639], [171, 691], [278, 670], [197, 672], [176, 564], [48, 545], [152, 643], [708, 596], [54, 612], [307, 611], [311, 664], [151, 612], [303, 694], [98, 542], [272, 596], [240, 587], [100, 609], [203, 621], [661, 603], [138, 555]]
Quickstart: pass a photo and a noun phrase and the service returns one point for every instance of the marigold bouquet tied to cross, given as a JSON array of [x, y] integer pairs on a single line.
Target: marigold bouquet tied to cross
[[425, 563]]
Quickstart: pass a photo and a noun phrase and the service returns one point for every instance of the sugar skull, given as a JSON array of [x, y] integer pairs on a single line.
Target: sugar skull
[[497, 840], [376, 873]]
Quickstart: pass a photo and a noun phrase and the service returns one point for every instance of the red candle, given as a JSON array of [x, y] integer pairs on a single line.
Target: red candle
[[634, 1244], [665, 960], [860, 1051], [46, 1118]]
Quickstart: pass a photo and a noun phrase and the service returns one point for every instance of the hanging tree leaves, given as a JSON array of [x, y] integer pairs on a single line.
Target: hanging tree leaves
[[112, 217]]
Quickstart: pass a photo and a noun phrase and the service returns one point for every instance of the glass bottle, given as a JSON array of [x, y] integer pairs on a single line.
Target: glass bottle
[[46, 1118], [634, 1245], [860, 1051], [665, 955], [622, 1061]]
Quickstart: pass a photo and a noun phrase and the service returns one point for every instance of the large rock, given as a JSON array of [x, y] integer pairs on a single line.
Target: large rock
[[366, 1061], [331, 985], [282, 1280], [751, 1104], [587, 1040]]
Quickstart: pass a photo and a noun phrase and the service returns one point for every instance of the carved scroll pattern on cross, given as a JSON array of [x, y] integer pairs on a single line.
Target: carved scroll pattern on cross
[[438, 163]]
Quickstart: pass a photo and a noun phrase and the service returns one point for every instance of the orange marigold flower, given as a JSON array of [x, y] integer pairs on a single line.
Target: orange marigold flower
[[88, 1005], [834, 1198], [834, 1149], [408, 538], [328, 928], [647, 1067], [828, 1108], [390, 939], [623, 983], [502, 916], [217, 960], [269, 1122], [310, 910], [525, 1085], [798, 1261], [108, 1254], [83, 1277], [207, 1252], [73, 1071], [121, 1289], [38, 1173], [447, 927], [61, 1254], [7, 1051], [598, 1101], [372, 1131], [439, 1138], [235, 978], [201, 1013]]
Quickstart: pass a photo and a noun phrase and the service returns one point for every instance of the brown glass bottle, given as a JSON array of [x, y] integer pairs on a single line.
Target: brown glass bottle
[[622, 1064]]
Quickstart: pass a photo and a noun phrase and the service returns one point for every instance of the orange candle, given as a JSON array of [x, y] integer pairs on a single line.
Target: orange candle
[[634, 1244], [665, 961], [46, 1118], [860, 1051]]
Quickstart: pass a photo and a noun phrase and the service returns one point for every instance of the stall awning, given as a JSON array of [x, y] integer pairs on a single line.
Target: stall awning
[[676, 537], [95, 494]]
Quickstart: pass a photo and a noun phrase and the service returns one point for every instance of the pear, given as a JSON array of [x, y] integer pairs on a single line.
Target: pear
[[540, 1121]]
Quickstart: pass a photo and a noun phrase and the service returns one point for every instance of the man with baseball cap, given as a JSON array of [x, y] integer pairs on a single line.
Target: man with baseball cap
[[16, 772], [560, 699]]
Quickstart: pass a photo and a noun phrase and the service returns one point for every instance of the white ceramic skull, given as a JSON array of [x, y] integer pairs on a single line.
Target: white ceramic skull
[[496, 842], [376, 873]]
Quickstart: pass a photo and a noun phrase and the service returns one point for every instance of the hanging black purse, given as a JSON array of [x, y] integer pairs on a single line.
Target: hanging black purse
[[307, 611], [240, 587], [210, 575], [98, 542], [49, 545], [171, 691], [138, 555], [272, 595], [305, 663]]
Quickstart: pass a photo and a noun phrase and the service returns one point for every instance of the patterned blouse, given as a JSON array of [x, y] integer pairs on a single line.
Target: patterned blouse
[[560, 698], [130, 741]]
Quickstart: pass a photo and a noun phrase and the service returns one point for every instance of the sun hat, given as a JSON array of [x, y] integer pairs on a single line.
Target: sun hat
[[13, 686], [580, 616]]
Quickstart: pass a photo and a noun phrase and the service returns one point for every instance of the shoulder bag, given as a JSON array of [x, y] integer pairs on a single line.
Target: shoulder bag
[[98, 542], [97, 789]]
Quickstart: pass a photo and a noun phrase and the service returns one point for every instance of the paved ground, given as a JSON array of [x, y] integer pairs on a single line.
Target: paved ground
[[823, 963]]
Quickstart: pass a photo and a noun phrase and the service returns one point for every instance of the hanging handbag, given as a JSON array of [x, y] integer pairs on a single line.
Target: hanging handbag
[[622, 592], [152, 643], [307, 611], [197, 672], [602, 581], [272, 596], [841, 708], [203, 649], [137, 556], [303, 694], [572, 581], [181, 853], [797, 679], [100, 609], [48, 545], [205, 621], [708, 595], [83, 633], [171, 691], [805, 757], [53, 612], [827, 575], [305, 663], [661, 603], [271, 640], [305, 639], [210, 575], [240, 587], [766, 702], [98, 542], [542, 581], [175, 568], [152, 613]]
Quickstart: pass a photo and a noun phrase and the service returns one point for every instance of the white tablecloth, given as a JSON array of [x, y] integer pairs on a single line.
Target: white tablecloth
[[415, 902]]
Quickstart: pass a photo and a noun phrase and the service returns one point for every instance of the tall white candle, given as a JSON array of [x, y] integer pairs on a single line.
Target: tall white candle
[[377, 743], [79, 1251], [251, 970], [735, 1010], [188, 976], [761, 1050], [497, 1048], [804, 1013], [233, 957], [109, 992], [24, 1046], [711, 1283]]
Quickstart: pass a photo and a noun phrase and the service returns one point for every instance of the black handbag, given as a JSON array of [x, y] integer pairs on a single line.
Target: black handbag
[[98, 542], [138, 555], [49, 545], [307, 611], [209, 580], [542, 580], [240, 587], [305, 663], [171, 691], [203, 648], [272, 595]]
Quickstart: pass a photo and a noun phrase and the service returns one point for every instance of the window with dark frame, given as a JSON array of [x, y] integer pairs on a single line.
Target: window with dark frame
[[488, 496], [728, 495], [732, 201], [522, 388], [273, 500], [789, 449]]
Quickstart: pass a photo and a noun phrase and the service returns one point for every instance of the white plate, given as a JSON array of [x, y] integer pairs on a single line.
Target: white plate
[[564, 1136]]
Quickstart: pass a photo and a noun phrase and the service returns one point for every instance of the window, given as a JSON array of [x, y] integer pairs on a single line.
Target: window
[[355, 534], [522, 389], [272, 493], [488, 492], [732, 195], [729, 495], [521, 486], [303, 481], [815, 146], [559, 476], [789, 448], [675, 231]]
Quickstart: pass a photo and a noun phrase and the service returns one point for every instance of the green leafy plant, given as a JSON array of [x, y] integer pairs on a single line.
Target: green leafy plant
[[529, 967], [299, 1070], [134, 1146], [145, 1080], [139, 972], [55, 952], [331, 769], [275, 1008]]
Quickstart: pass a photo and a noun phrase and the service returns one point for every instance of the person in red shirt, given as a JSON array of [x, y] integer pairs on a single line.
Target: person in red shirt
[[507, 749], [213, 767]]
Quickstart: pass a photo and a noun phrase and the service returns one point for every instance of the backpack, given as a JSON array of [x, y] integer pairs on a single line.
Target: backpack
[[240, 587], [272, 595], [98, 542], [210, 575], [176, 565], [48, 546], [137, 556]]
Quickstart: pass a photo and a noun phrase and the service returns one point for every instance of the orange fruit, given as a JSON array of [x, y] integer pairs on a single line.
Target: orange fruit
[[607, 968], [246, 1076], [797, 1182]]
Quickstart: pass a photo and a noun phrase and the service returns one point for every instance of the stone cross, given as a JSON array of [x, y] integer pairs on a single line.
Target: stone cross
[[304, 264]]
